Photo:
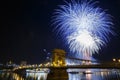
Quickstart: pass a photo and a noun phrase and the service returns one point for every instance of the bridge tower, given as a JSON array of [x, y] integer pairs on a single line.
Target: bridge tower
[[58, 57]]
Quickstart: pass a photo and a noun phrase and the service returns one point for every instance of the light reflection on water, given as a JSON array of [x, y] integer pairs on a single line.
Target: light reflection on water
[[10, 76], [37, 76], [93, 74], [73, 74]]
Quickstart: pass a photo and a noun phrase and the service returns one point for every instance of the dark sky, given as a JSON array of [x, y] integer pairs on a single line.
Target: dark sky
[[26, 30]]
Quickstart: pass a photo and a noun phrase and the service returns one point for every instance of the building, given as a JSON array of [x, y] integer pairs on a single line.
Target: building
[[23, 63], [58, 57]]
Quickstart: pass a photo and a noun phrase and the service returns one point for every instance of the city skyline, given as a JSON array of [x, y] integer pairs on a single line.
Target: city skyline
[[27, 31]]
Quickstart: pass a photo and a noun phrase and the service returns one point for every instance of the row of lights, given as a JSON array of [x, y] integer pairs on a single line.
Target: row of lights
[[116, 60]]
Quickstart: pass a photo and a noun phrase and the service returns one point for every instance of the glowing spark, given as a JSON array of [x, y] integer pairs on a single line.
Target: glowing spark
[[84, 42], [83, 26]]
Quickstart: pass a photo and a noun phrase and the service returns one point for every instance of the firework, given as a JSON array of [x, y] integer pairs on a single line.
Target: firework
[[84, 26]]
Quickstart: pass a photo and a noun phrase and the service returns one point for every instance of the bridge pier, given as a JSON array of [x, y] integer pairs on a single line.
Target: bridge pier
[[20, 71], [57, 74]]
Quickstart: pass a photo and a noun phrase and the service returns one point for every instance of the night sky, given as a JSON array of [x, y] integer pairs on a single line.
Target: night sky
[[25, 30]]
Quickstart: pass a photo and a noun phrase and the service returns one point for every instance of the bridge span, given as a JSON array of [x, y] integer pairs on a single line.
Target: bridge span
[[95, 66]]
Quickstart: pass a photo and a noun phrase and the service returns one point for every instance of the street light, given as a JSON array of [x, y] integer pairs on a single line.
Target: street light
[[114, 59], [118, 60]]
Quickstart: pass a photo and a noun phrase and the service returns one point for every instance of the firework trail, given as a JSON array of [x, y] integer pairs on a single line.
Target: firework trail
[[84, 26]]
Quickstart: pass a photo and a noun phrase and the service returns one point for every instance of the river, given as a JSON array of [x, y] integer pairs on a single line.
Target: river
[[73, 74]]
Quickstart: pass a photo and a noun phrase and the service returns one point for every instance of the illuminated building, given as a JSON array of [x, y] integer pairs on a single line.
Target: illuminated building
[[58, 57]]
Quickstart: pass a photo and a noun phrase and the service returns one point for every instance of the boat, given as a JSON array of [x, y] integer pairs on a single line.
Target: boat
[[87, 72]]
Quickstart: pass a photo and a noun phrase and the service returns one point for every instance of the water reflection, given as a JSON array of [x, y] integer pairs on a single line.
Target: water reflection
[[37, 76], [17, 77], [28, 76], [73, 74], [79, 74], [10, 76], [93, 74]]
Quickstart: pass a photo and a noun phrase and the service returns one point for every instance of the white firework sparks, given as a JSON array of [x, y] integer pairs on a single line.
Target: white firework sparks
[[84, 42], [83, 26]]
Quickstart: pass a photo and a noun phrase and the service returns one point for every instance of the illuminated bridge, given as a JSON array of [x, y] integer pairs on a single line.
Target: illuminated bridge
[[92, 64], [102, 66], [59, 61]]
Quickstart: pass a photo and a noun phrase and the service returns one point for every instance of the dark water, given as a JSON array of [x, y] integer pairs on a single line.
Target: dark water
[[73, 74]]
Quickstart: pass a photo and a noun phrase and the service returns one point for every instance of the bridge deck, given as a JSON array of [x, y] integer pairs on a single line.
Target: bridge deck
[[87, 66]]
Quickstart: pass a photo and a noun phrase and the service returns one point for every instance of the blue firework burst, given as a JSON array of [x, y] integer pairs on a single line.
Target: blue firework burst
[[84, 26]]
